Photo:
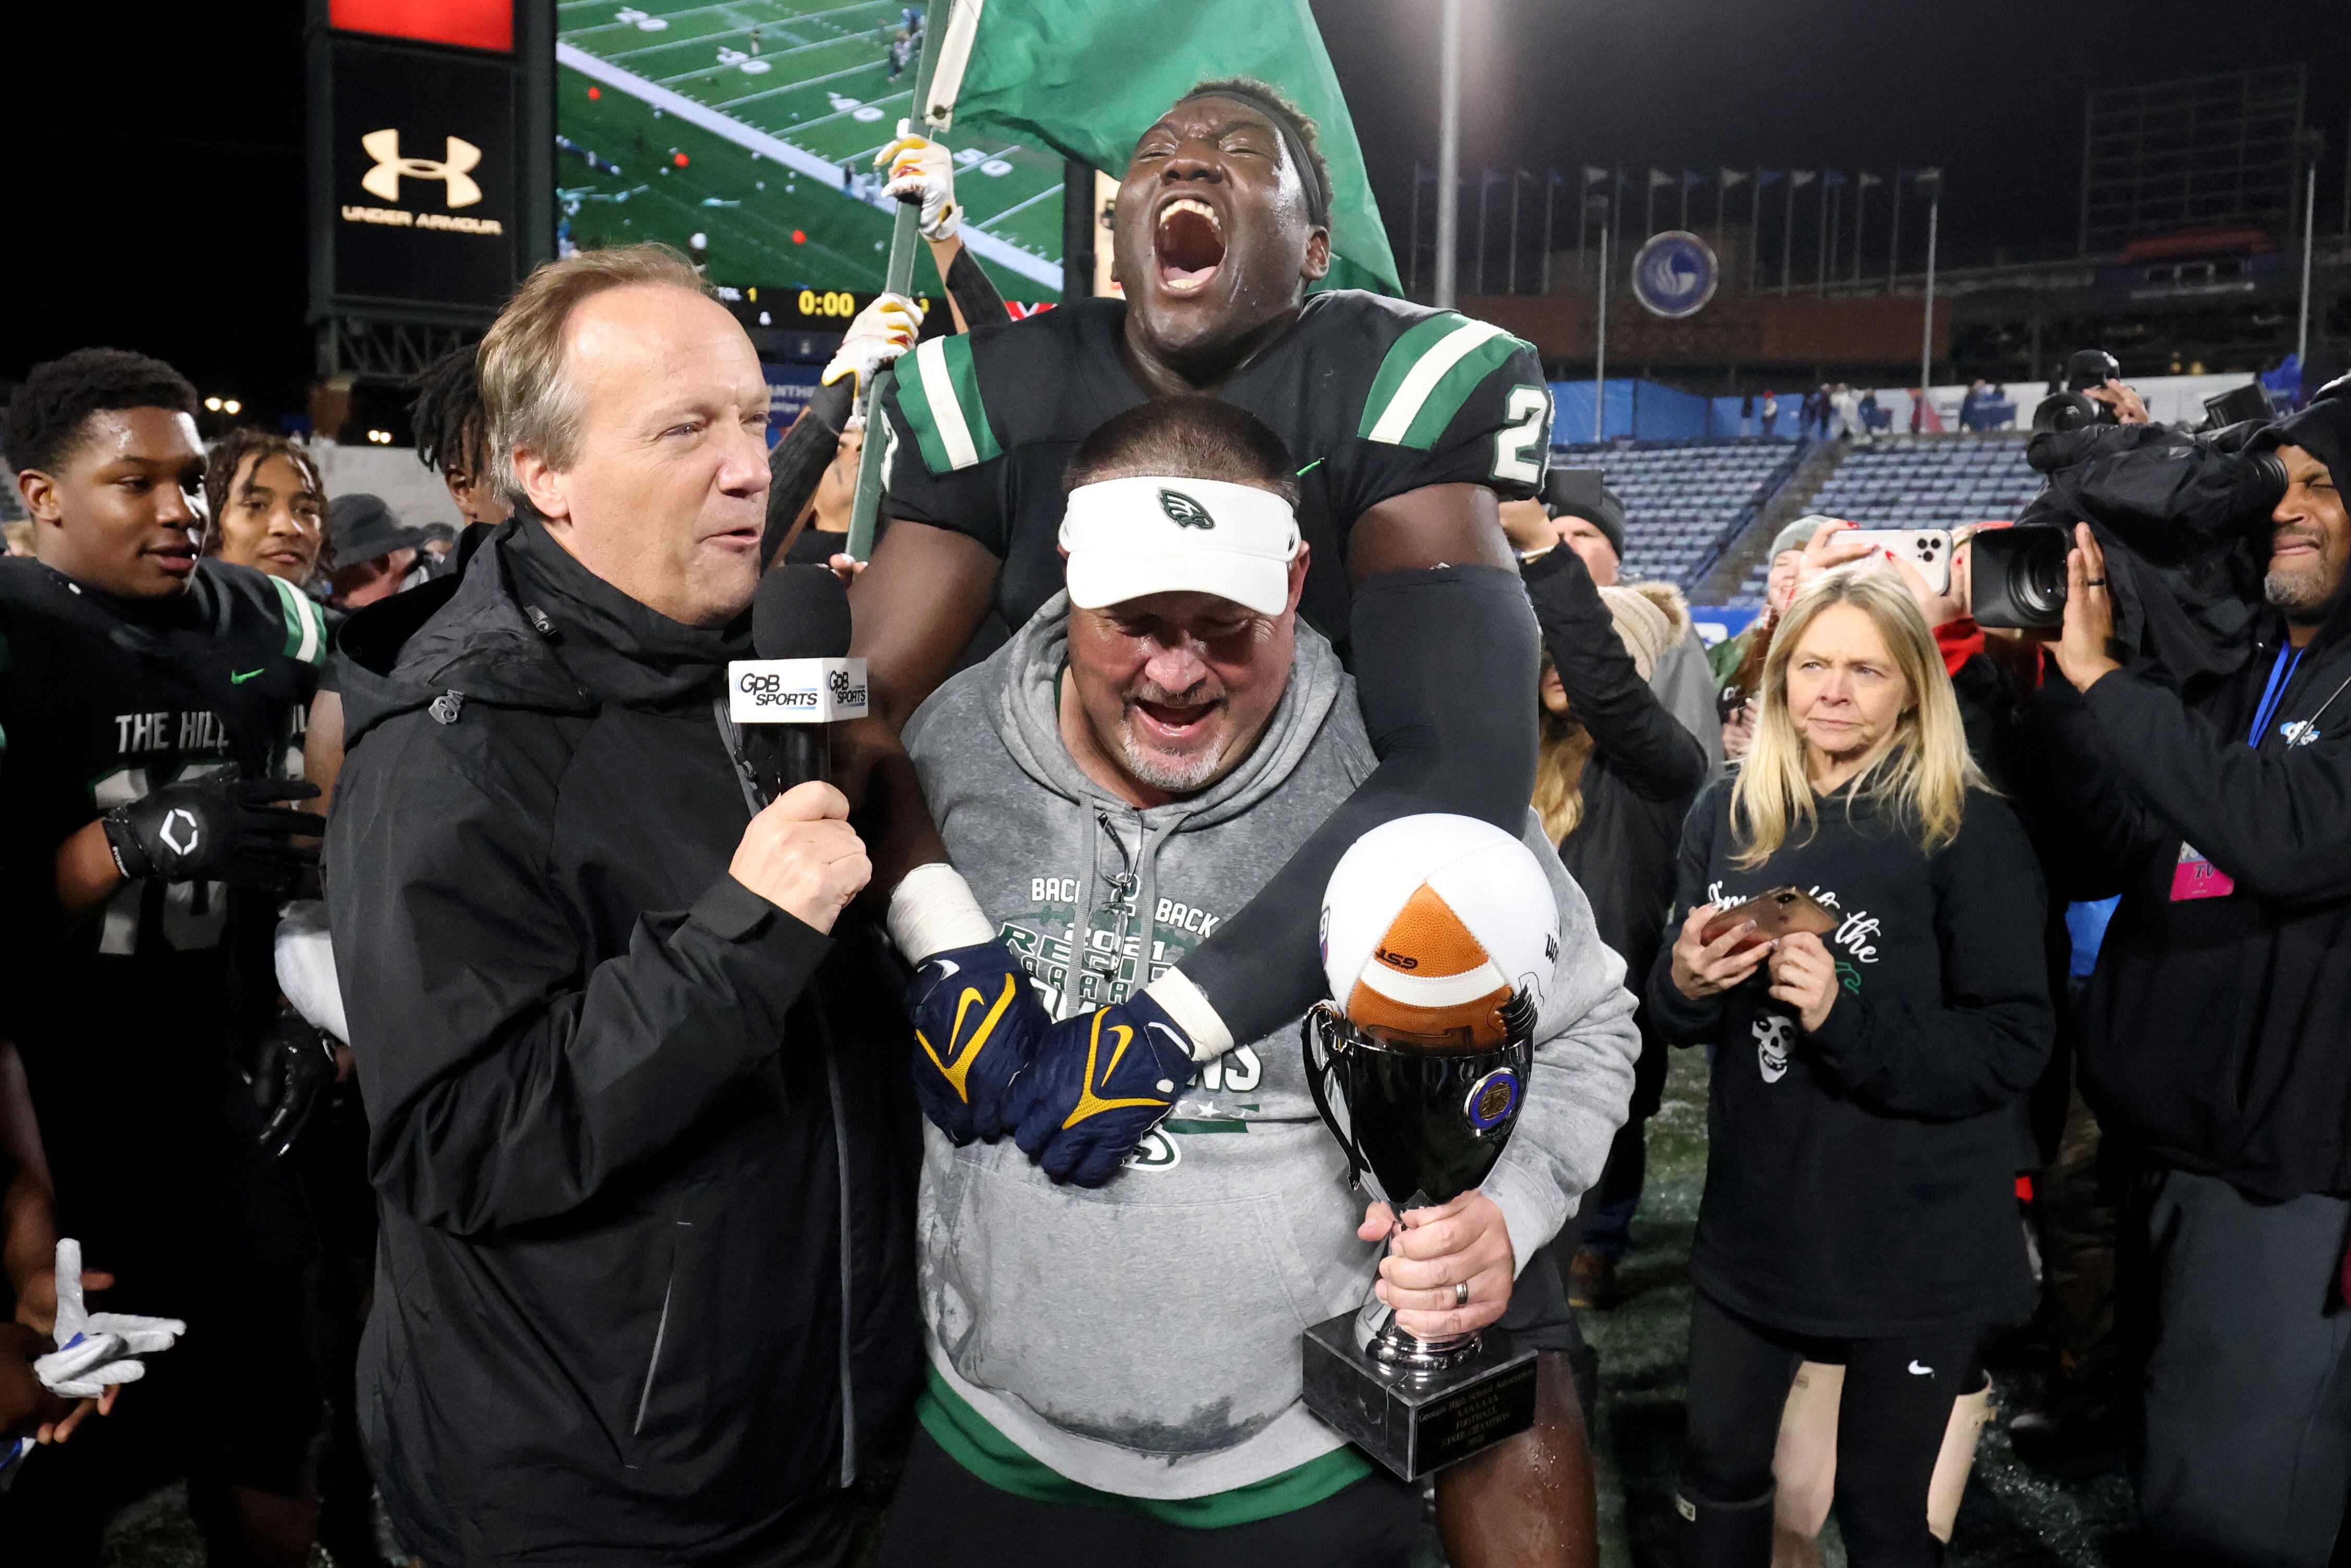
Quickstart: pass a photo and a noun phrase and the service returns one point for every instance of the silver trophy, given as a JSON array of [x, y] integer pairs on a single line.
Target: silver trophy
[[1421, 1122]]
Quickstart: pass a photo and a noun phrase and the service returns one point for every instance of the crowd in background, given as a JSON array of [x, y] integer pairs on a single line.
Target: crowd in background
[[2013, 960]]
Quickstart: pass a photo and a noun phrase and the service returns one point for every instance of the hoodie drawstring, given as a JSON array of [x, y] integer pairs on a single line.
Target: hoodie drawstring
[[1140, 881]]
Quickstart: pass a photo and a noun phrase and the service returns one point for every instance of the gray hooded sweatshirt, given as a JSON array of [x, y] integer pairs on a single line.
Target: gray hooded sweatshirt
[[1142, 1338]]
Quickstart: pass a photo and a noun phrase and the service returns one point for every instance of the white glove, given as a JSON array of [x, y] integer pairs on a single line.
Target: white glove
[[921, 170], [305, 966], [882, 331], [97, 1349]]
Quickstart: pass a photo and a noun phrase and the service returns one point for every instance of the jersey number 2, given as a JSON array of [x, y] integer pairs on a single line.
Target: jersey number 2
[[1520, 446]]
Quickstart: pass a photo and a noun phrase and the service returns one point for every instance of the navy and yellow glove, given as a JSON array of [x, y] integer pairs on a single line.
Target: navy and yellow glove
[[1099, 1081], [976, 1024]]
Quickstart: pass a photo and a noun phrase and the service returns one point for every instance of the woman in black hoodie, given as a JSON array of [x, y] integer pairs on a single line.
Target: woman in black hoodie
[[1858, 1202]]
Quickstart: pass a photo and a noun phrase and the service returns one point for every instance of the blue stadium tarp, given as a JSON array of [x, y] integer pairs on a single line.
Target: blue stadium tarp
[[1648, 411]]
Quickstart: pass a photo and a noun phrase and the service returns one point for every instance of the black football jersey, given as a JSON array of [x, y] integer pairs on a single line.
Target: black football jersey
[[124, 1020], [1373, 396]]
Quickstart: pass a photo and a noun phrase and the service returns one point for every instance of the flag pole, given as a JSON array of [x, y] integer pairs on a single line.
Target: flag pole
[[905, 238], [1600, 357], [1788, 234], [1894, 245], [1551, 193], [1448, 155], [1927, 344], [1860, 201], [2309, 224], [1412, 250], [1517, 175], [1821, 261]]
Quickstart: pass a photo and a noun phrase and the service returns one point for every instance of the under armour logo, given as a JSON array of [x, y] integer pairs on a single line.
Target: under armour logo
[[384, 179], [180, 822]]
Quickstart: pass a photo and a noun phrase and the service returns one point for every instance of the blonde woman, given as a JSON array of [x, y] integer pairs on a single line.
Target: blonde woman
[[1858, 1202]]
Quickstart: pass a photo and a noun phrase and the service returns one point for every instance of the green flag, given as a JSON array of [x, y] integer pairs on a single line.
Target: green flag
[[1089, 77]]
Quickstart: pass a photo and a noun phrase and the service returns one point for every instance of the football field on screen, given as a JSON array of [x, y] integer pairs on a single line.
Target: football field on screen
[[753, 124]]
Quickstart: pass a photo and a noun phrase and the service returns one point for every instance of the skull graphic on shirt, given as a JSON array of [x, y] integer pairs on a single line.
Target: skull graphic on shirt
[[1773, 1032]]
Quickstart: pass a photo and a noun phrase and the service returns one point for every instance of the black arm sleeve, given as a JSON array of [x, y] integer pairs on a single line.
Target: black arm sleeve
[[1629, 726], [973, 295], [1446, 661], [796, 465]]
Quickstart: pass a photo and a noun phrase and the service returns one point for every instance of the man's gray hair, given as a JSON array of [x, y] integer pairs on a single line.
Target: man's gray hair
[[527, 395]]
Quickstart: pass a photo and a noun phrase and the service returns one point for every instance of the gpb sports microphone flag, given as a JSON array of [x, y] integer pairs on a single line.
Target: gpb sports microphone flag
[[1089, 77]]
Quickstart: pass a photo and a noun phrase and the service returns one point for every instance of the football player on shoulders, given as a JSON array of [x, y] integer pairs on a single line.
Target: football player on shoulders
[[1407, 426], [152, 704]]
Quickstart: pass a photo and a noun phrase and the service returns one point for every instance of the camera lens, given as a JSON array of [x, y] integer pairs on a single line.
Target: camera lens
[[2041, 580], [2269, 481]]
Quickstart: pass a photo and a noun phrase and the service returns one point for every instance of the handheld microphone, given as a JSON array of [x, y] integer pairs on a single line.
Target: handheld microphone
[[788, 699]]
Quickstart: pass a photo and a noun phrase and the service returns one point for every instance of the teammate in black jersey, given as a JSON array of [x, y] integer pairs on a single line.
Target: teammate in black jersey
[[151, 708], [1407, 423]]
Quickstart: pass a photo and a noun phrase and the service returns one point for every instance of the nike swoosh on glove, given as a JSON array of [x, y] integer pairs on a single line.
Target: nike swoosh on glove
[[977, 1023], [1101, 1082]]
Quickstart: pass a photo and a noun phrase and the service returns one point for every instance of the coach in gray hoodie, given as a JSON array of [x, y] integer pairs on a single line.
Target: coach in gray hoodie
[[1112, 790]]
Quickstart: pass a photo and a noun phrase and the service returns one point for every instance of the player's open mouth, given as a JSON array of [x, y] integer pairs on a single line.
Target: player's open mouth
[[1189, 243], [178, 557]]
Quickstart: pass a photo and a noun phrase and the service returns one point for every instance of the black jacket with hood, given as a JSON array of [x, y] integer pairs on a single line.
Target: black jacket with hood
[[2215, 1038], [644, 1142]]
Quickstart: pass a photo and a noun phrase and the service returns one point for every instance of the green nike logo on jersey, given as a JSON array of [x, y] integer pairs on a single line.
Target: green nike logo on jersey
[[238, 677]]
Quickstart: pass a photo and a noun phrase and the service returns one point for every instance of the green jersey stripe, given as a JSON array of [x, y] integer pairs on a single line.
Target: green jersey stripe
[[305, 629], [1417, 397], [1397, 364], [1453, 388], [915, 404], [952, 425]]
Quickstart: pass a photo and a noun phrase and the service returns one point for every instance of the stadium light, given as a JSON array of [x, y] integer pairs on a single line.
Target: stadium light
[[213, 403], [230, 405]]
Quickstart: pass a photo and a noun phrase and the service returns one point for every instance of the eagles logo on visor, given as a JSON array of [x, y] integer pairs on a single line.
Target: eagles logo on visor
[[1185, 512]]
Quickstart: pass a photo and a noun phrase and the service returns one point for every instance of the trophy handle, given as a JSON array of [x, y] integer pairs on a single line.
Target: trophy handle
[[1317, 1022]]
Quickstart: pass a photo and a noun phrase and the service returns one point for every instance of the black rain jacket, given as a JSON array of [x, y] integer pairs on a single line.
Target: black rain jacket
[[2215, 1038], [645, 1143]]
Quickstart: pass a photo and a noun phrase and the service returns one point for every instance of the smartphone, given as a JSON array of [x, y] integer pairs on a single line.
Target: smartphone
[[1776, 914], [1927, 550]]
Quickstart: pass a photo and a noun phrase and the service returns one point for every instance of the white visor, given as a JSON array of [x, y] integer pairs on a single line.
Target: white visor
[[1129, 537]]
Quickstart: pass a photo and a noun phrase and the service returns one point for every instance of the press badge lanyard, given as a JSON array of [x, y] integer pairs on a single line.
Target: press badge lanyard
[[2281, 677], [2195, 876]]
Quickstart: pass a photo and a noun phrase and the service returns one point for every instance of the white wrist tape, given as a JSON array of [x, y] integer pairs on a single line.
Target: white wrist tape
[[932, 910], [1193, 1012]]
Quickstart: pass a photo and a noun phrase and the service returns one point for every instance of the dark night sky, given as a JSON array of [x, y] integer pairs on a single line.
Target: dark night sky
[[158, 178]]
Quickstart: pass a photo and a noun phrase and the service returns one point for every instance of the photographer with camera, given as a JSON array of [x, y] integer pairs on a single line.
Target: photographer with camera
[[2218, 804]]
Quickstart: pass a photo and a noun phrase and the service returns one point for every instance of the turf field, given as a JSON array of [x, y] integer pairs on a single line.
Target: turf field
[[753, 123]]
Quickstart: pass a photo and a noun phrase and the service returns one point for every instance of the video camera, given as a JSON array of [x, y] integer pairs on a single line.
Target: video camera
[[2164, 496]]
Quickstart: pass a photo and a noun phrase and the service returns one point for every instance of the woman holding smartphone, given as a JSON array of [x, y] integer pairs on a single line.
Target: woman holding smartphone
[[1859, 1197]]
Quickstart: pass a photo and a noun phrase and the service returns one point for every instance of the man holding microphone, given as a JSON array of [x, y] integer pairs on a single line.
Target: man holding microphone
[[635, 1088]]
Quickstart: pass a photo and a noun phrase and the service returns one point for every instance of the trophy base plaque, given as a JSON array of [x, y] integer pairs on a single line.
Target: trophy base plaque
[[1415, 1425]]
